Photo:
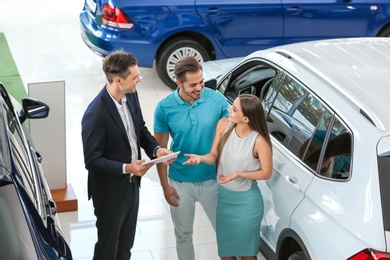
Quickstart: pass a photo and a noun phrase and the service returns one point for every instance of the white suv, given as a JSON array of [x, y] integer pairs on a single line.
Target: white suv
[[327, 109]]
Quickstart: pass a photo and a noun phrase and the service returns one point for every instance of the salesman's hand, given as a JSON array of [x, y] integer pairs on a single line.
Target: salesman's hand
[[136, 168], [164, 151]]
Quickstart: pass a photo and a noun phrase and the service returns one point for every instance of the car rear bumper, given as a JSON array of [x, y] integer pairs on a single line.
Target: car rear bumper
[[99, 41]]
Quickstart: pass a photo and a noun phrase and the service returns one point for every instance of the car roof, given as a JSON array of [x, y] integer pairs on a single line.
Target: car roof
[[359, 68]]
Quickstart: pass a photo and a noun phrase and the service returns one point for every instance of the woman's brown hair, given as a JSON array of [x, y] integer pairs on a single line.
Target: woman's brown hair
[[252, 109]]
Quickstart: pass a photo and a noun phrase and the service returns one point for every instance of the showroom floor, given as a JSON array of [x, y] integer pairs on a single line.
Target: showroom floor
[[45, 41]]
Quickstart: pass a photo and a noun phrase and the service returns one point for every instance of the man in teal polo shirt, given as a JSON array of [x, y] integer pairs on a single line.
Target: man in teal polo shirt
[[189, 115]]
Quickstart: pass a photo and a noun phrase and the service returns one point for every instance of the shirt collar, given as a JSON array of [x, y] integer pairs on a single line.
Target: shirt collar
[[118, 106], [181, 101]]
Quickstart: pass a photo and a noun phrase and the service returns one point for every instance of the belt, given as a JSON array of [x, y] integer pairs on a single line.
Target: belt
[[130, 178]]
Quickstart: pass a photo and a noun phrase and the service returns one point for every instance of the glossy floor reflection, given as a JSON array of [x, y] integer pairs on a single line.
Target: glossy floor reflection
[[45, 41]]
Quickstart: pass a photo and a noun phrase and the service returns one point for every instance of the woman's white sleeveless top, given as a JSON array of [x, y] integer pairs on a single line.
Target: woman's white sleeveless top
[[237, 156]]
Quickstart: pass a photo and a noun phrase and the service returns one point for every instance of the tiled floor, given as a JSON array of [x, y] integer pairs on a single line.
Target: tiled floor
[[45, 41]]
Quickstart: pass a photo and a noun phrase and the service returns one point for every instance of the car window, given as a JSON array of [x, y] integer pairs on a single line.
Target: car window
[[328, 151], [4, 156], [308, 128], [249, 78], [286, 123], [20, 156]]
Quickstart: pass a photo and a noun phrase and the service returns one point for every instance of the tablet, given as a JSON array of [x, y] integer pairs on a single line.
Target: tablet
[[161, 159]]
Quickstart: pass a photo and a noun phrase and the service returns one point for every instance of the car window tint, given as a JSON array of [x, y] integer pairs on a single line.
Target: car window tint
[[20, 154], [308, 128], [316, 140], [5, 159], [339, 150], [286, 122], [22, 168], [269, 94], [224, 84], [249, 78], [329, 152]]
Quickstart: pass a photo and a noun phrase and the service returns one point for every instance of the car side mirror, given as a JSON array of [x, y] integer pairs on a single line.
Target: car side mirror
[[212, 83], [33, 108]]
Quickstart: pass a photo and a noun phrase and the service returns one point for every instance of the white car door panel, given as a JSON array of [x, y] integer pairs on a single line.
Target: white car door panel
[[286, 187]]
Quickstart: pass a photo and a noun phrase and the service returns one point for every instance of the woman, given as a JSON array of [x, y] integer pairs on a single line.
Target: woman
[[243, 154]]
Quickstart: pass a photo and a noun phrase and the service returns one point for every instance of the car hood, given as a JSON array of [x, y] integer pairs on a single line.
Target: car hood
[[215, 68]]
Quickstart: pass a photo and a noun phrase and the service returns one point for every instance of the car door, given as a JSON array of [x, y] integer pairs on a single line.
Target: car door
[[241, 27], [282, 96], [290, 126], [315, 19]]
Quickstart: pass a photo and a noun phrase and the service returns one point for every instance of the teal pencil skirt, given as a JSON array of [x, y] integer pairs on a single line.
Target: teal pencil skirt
[[239, 217]]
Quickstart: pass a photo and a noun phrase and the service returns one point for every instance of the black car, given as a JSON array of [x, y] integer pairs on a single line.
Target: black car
[[29, 226]]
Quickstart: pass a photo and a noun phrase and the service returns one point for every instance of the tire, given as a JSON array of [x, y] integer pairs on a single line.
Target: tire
[[174, 51], [297, 256], [385, 32]]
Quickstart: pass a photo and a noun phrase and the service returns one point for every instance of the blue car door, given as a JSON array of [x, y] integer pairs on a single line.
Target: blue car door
[[241, 27], [318, 19]]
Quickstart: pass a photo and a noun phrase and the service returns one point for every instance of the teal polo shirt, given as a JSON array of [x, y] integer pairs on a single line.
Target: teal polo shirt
[[192, 129]]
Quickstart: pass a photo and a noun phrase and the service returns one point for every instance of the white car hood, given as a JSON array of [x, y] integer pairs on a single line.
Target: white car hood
[[215, 68]]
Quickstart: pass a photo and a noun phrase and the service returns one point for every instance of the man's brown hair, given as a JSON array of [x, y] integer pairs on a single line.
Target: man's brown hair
[[184, 65]]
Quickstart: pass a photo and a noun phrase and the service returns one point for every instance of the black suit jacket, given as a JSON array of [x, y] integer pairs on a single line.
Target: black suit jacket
[[106, 145]]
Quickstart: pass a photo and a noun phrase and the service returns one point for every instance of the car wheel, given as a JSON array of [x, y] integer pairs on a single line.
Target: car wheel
[[385, 32], [297, 256], [172, 52]]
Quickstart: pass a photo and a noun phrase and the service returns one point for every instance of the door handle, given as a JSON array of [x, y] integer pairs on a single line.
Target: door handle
[[212, 10], [293, 182], [294, 10]]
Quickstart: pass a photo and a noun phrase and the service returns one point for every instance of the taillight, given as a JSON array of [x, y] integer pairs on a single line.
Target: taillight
[[370, 254], [114, 17]]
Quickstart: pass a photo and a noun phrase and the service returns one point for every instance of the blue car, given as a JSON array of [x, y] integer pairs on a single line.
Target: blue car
[[29, 226], [164, 31]]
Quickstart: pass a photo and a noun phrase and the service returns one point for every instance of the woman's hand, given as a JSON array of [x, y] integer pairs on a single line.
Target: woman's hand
[[225, 179], [192, 159]]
